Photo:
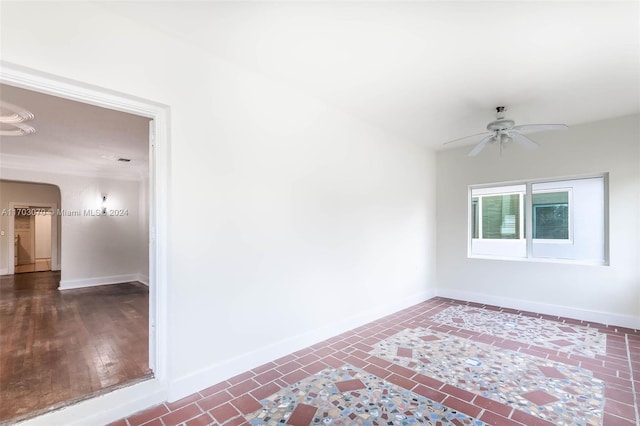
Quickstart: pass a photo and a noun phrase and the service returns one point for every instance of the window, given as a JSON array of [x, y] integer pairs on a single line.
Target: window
[[551, 215], [501, 216], [562, 219], [497, 222]]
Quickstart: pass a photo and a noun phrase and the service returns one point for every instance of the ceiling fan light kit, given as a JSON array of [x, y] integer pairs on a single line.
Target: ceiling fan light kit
[[12, 118], [504, 131]]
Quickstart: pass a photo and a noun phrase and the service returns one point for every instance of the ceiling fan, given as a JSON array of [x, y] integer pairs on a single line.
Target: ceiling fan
[[503, 131]]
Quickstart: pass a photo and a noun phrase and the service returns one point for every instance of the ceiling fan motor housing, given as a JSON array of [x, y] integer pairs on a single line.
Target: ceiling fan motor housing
[[500, 125]]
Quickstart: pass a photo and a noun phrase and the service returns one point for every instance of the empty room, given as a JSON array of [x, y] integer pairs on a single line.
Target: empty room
[[356, 213]]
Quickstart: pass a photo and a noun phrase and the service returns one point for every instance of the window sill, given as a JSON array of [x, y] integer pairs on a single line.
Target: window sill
[[541, 260]]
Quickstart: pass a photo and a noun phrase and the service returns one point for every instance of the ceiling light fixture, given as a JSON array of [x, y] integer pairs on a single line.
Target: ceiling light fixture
[[12, 117], [10, 113], [17, 129]]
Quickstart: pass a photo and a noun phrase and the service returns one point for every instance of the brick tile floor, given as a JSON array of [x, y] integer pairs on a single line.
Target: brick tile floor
[[443, 362]]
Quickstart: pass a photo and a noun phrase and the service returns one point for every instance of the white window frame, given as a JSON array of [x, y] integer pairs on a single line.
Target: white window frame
[[497, 248], [521, 226], [527, 233]]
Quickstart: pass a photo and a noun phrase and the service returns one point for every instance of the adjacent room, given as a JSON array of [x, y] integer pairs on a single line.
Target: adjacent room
[[74, 297], [356, 213]]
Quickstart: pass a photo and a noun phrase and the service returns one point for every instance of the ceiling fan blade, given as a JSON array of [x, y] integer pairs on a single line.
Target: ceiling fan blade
[[539, 127], [523, 140], [475, 151], [467, 137]]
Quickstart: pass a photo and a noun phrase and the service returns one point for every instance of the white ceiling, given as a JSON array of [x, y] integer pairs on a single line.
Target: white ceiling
[[72, 137], [427, 71]]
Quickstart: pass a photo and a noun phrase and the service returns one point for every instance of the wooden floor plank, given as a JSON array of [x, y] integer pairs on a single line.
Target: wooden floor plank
[[61, 346]]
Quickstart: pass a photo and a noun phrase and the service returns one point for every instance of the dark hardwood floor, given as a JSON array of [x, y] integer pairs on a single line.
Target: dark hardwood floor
[[58, 346]]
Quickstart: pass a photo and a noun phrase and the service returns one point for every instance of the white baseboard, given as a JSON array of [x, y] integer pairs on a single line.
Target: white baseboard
[[144, 279], [96, 281], [106, 408], [216, 373], [543, 308], [4, 271]]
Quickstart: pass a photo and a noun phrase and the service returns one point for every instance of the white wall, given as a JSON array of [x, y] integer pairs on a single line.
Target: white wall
[[310, 222], [600, 293], [94, 249], [22, 192]]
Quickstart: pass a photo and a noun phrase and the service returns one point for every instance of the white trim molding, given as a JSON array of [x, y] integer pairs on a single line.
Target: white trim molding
[[96, 281]]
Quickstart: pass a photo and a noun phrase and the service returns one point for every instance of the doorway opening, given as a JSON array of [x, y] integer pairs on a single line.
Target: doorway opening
[[30, 231], [85, 330], [32, 239], [133, 201]]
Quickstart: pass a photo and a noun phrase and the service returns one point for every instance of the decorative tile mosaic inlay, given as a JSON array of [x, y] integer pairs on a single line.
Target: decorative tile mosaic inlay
[[349, 396], [420, 367], [536, 331], [564, 395]]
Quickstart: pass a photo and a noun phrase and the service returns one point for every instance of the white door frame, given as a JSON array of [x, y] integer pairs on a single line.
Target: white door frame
[[38, 81], [55, 260]]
